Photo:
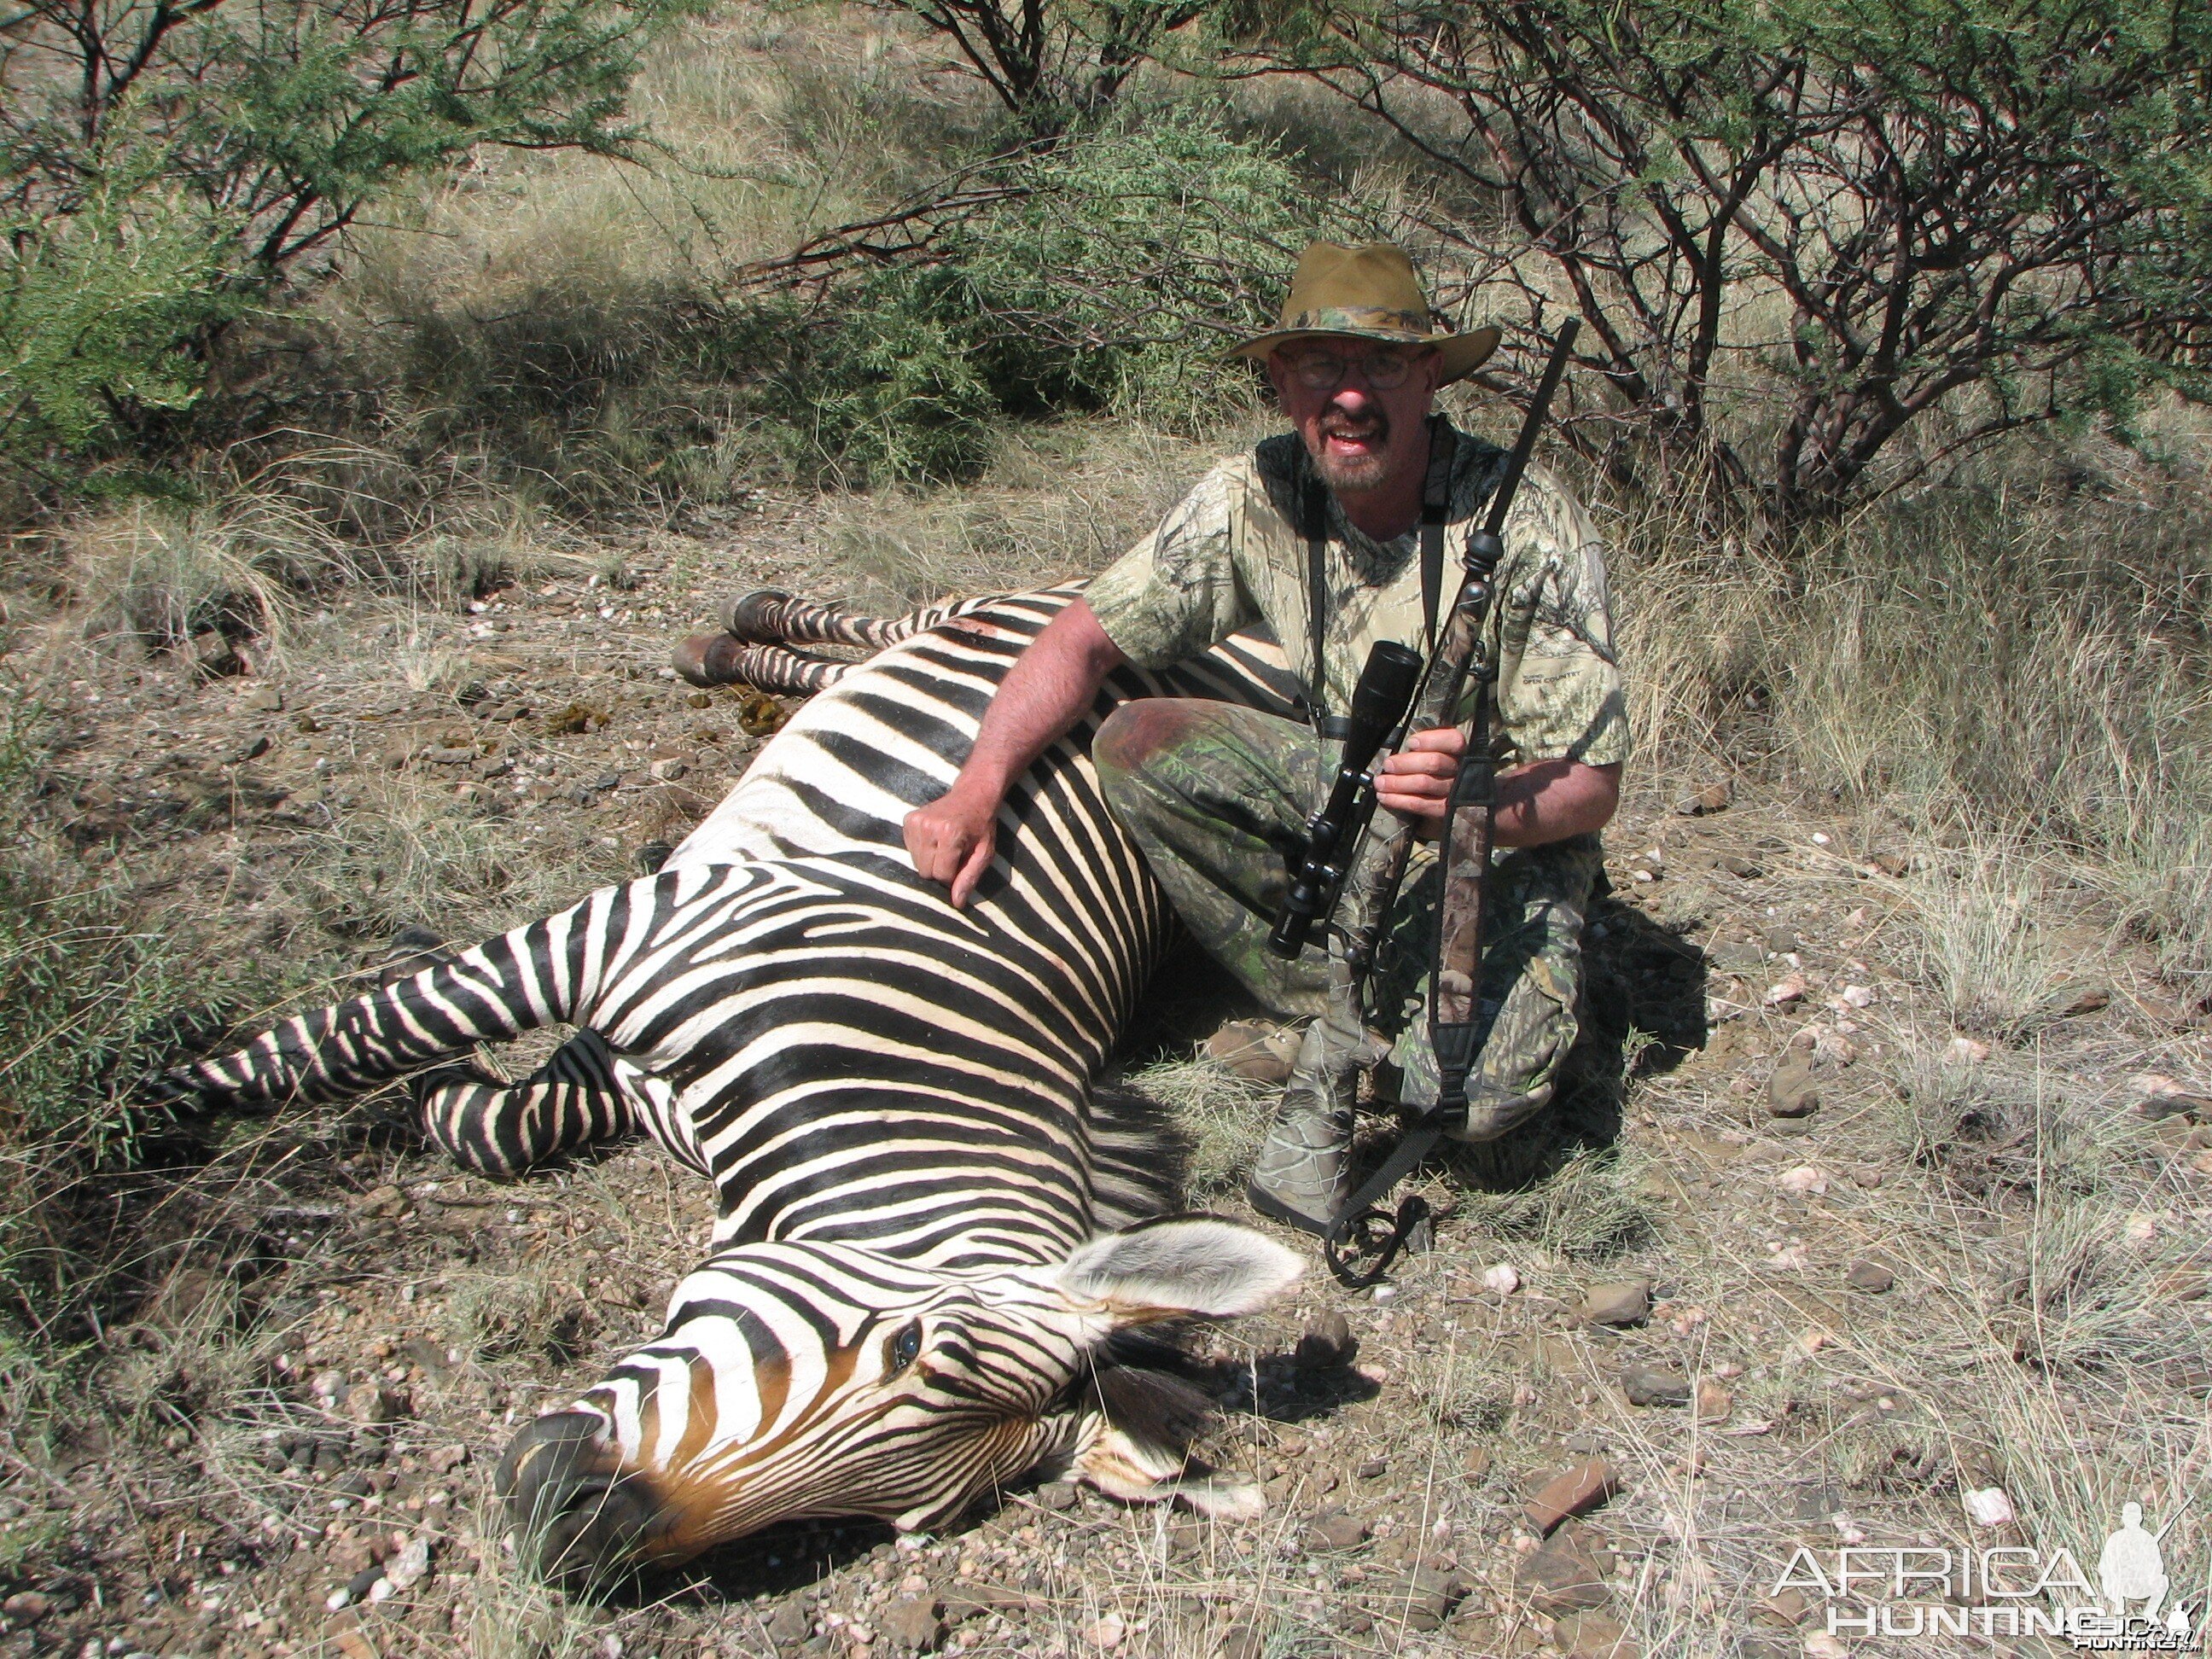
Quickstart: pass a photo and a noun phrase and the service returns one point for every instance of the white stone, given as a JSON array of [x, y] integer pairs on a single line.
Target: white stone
[[1106, 1633], [1990, 1507], [405, 1569]]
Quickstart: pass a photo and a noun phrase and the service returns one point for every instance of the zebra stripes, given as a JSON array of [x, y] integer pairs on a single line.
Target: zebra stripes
[[910, 1299], [772, 625]]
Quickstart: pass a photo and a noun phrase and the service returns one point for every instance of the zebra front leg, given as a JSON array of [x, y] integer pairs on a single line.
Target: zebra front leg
[[721, 660], [500, 1129]]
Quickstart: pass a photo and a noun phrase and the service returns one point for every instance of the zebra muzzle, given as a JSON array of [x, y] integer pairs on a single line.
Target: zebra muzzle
[[576, 1513]]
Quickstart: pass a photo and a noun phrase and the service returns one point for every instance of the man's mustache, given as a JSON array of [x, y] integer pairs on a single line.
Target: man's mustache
[[1368, 428]]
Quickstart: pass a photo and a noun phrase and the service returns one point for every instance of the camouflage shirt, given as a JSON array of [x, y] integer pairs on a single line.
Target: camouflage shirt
[[1232, 554]]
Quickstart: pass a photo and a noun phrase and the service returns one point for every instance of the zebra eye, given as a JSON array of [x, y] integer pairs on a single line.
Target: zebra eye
[[906, 1345]]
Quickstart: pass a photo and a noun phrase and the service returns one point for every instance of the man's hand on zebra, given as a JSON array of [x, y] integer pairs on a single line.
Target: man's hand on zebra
[[1045, 692], [952, 838]]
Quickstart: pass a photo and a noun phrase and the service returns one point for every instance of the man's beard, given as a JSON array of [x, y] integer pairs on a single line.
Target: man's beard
[[1356, 473]]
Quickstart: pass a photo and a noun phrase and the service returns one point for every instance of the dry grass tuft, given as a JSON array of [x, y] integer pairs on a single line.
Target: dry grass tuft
[[1588, 1208], [155, 573], [536, 1312], [406, 852], [1057, 504], [1224, 1114], [1988, 914]]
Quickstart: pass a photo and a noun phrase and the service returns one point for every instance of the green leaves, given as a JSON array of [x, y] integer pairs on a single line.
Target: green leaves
[[1797, 230], [168, 169], [1109, 278], [95, 306]]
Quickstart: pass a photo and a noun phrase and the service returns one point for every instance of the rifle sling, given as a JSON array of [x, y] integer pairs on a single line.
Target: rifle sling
[[1435, 503], [1462, 894], [1364, 1206]]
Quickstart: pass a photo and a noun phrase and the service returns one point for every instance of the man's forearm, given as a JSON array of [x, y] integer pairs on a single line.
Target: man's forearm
[[1044, 693], [1550, 800]]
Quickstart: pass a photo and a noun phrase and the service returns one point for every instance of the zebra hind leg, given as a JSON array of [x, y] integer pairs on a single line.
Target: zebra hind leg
[[765, 632], [500, 1129], [708, 659], [767, 617]]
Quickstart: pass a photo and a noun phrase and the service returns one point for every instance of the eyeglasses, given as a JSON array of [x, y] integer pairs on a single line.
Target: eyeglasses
[[1324, 371]]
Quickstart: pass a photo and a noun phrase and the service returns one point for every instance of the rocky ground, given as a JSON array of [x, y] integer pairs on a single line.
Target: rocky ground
[[1881, 1233]]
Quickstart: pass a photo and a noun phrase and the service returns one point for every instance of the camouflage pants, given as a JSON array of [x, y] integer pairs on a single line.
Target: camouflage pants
[[1217, 797]]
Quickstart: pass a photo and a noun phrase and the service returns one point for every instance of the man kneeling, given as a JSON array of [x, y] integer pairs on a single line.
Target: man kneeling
[[1317, 532]]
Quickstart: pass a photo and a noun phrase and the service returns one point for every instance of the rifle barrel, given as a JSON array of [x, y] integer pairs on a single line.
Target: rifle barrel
[[1501, 500]]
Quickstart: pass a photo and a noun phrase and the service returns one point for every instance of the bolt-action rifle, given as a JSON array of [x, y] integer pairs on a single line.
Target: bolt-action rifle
[[1333, 835], [1346, 865]]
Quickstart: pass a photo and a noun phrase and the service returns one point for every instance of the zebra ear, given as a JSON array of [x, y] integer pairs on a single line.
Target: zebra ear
[[1196, 1264]]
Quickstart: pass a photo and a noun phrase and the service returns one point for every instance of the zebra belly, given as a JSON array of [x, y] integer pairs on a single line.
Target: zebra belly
[[1007, 1008]]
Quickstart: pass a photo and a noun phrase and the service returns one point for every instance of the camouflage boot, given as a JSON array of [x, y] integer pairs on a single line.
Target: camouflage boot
[[1303, 1172]]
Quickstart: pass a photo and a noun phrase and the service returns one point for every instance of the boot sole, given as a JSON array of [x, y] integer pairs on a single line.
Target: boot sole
[[1275, 1210]]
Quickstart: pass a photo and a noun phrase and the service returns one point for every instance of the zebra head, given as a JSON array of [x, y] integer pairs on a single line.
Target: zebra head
[[800, 1379]]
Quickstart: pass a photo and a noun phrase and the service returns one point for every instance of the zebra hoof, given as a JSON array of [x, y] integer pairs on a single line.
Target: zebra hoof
[[411, 951], [757, 616], [577, 1516], [707, 659]]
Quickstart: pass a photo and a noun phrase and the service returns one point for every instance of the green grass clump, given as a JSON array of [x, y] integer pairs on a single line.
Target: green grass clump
[[89, 1002], [1125, 259], [85, 995]]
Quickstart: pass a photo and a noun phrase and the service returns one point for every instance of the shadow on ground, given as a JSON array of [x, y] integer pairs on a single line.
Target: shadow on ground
[[1643, 1014]]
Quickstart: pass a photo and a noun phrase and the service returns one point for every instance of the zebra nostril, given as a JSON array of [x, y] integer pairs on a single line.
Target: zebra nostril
[[576, 1514]]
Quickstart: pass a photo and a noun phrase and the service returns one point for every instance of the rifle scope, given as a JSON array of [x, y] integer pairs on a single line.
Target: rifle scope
[[1379, 701]]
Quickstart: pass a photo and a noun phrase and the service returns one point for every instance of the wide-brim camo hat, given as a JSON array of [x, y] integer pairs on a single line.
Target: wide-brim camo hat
[[1369, 293]]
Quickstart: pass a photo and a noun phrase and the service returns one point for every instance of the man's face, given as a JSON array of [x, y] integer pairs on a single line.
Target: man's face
[[1362, 435]]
